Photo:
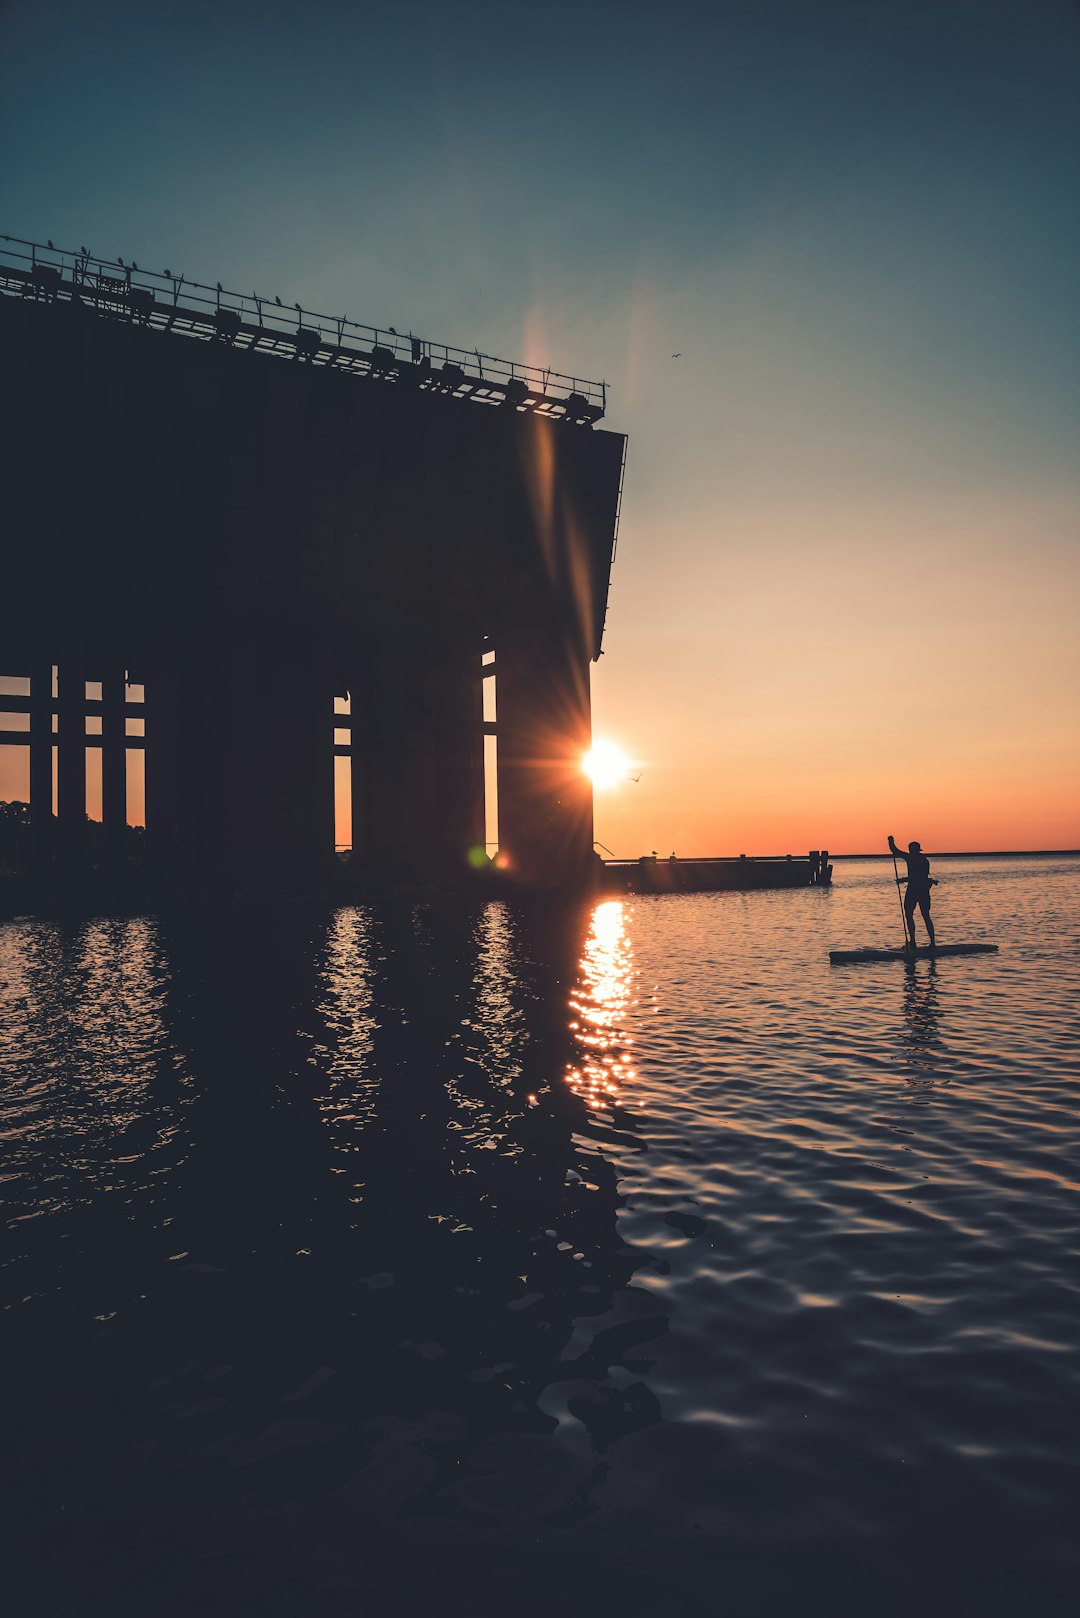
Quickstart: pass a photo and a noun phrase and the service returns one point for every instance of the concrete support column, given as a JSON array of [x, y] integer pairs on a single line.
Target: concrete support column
[[285, 755], [71, 764], [114, 767], [323, 807], [358, 769], [418, 771], [226, 713], [192, 807], [472, 734], [41, 768], [386, 755], [164, 820], [254, 740], [456, 793], [545, 727]]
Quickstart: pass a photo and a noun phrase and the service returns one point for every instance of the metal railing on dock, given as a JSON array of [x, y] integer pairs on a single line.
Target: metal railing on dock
[[164, 301]]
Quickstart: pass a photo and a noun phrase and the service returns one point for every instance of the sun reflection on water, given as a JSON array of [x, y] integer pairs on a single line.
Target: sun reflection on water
[[349, 1018], [599, 1006]]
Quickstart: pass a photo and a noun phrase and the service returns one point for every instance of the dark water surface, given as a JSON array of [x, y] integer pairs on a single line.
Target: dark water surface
[[431, 1259]]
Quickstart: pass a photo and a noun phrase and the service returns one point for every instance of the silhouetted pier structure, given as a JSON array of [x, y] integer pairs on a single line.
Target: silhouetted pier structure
[[652, 874], [248, 541]]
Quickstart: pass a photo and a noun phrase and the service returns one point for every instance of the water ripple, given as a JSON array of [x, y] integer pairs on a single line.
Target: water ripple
[[639, 1252]]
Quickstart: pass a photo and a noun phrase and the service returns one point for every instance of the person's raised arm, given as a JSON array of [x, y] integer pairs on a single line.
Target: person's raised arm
[[892, 845]]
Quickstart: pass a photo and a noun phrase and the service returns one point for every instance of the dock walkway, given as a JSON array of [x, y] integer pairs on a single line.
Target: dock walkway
[[650, 874]]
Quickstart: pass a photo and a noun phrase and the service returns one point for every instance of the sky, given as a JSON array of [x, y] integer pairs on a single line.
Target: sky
[[847, 589]]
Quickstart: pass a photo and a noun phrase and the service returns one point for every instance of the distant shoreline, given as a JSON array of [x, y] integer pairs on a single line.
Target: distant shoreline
[[978, 854]]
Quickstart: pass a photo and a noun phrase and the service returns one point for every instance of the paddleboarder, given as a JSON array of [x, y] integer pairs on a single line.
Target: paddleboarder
[[919, 883]]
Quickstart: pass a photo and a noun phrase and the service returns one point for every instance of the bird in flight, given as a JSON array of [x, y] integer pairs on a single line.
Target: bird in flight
[[677, 356]]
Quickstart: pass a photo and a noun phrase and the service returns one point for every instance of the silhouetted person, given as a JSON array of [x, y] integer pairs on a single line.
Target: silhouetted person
[[919, 883]]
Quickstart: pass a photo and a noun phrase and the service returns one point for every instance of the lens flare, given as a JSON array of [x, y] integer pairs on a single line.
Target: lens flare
[[606, 765]]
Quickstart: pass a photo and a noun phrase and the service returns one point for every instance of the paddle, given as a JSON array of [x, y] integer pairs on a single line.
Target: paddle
[[909, 943]]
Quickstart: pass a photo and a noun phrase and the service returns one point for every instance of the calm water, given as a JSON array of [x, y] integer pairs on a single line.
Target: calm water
[[419, 1259]]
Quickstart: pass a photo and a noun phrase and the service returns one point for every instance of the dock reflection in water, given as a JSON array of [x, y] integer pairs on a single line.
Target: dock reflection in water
[[312, 1208]]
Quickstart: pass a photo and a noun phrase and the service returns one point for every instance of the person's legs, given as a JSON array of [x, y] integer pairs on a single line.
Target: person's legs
[[909, 915], [924, 906]]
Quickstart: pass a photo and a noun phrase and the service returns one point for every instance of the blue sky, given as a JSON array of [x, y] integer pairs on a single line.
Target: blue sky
[[856, 223]]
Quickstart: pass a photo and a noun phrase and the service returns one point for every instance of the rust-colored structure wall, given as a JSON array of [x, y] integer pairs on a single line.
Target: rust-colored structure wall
[[249, 536]]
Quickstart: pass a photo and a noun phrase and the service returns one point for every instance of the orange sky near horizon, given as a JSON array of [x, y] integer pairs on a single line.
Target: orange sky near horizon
[[901, 668]]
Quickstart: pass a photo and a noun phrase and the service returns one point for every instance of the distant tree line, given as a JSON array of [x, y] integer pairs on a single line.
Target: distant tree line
[[15, 838]]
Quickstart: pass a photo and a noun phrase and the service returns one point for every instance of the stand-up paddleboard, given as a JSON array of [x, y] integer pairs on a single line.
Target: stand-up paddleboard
[[845, 957]]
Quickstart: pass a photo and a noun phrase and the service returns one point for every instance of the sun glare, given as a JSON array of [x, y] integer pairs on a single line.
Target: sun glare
[[606, 765]]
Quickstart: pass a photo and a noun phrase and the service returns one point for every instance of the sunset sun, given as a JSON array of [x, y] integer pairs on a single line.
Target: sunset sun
[[606, 765]]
